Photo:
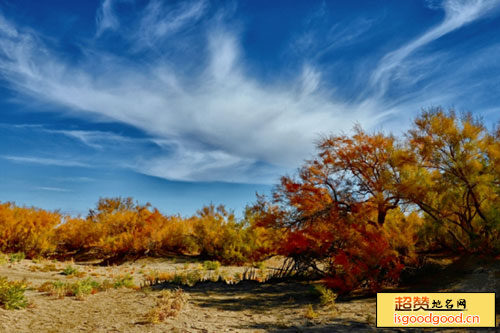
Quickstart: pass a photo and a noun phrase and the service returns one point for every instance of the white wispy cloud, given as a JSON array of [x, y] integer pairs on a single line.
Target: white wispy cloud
[[159, 21], [75, 179], [106, 18], [53, 189], [315, 42], [220, 123], [44, 161], [94, 139], [225, 116], [457, 13]]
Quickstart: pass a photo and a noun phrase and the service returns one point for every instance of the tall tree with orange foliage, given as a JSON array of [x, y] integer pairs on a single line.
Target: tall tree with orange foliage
[[335, 210], [364, 169]]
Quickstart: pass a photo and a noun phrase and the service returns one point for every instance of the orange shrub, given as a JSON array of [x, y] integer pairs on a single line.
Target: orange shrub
[[28, 230], [77, 234], [119, 226]]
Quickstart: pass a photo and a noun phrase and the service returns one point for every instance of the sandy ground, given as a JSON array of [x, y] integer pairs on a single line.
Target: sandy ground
[[211, 307]]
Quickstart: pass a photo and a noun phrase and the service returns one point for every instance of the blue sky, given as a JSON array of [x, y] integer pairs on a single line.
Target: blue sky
[[183, 103]]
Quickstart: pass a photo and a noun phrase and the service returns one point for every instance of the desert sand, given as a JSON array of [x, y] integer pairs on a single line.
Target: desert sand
[[248, 306]]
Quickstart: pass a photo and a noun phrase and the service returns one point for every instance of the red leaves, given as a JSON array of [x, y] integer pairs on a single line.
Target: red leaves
[[296, 243], [336, 207], [369, 262]]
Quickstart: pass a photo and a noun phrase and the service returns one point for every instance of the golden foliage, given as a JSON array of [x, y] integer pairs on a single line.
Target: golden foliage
[[27, 230]]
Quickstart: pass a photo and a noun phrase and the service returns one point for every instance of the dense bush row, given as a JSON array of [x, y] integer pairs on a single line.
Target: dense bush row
[[120, 227]]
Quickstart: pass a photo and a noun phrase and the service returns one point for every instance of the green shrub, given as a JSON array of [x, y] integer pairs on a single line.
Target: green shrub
[[126, 281], [17, 257], [211, 265], [12, 294], [78, 288], [70, 270], [84, 287], [57, 288]]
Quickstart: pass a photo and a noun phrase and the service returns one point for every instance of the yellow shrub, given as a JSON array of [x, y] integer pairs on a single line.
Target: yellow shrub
[[28, 230]]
